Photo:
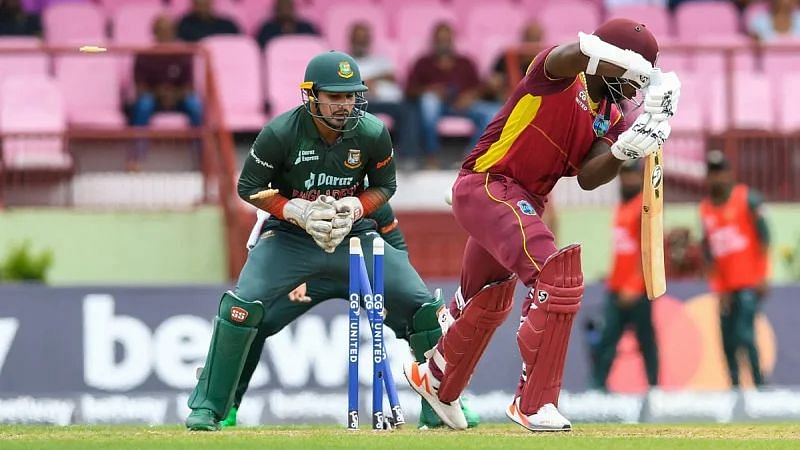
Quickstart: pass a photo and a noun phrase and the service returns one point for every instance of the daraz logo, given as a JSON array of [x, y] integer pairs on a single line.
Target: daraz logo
[[323, 179]]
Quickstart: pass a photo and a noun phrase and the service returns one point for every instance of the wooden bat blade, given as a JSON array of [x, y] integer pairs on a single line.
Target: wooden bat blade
[[653, 226]]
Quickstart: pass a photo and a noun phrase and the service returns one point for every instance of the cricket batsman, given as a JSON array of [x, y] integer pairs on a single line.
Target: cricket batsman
[[318, 156], [563, 119]]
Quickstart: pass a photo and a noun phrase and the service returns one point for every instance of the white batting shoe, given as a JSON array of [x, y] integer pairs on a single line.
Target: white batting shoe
[[425, 384], [546, 419]]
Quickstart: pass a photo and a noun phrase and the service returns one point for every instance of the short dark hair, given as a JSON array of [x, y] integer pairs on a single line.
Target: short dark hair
[[716, 161]]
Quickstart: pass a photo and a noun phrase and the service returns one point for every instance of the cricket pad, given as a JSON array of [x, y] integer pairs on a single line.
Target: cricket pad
[[235, 327], [466, 339], [543, 335]]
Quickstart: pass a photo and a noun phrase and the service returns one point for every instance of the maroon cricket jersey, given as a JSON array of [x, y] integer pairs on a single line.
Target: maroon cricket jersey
[[543, 132]]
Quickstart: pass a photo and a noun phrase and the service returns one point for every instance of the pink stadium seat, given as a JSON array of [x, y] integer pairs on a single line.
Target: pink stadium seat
[[132, 23], [285, 60], [254, 13], [23, 64], [452, 126], [237, 70], [676, 60], [340, 18], [655, 17], [92, 92], [414, 24], [713, 62], [169, 120], [490, 28], [74, 23], [33, 104], [19, 42], [778, 60], [753, 107], [706, 19], [690, 117], [111, 7], [788, 119], [563, 20]]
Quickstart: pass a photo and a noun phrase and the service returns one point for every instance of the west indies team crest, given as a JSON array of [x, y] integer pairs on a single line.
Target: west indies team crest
[[344, 69], [353, 158], [526, 208]]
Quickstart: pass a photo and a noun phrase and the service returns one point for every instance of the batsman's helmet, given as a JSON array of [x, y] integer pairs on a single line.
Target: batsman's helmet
[[334, 72], [628, 35]]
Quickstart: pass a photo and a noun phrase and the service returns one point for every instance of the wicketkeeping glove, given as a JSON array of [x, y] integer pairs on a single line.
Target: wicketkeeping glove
[[314, 217]]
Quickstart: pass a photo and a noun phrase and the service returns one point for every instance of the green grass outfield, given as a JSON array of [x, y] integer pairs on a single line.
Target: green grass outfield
[[593, 437]]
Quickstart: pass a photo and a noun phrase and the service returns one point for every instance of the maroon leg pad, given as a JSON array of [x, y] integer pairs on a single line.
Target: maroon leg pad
[[543, 335], [467, 337]]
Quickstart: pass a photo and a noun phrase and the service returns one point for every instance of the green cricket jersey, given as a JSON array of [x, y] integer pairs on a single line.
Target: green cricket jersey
[[289, 155]]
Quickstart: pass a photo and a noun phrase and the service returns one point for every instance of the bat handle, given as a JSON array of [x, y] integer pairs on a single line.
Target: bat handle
[[655, 77]]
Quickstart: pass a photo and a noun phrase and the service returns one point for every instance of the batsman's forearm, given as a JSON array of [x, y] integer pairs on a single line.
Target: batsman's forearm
[[373, 198], [598, 171]]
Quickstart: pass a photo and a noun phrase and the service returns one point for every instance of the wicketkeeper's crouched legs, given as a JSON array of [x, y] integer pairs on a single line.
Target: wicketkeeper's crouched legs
[[235, 328], [543, 338]]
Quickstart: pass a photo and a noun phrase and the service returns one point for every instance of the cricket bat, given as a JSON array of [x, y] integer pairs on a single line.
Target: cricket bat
[[655, 279], [653, 226]]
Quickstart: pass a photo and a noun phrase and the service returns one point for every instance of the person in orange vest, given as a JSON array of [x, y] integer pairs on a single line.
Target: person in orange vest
[[736, 244], [627, 304]]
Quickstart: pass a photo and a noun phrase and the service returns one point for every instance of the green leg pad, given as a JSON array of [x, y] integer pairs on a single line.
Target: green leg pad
[[235, 327], [427, 330]]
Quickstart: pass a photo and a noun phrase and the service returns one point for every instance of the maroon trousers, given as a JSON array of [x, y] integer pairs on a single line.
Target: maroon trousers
[[506, 232]]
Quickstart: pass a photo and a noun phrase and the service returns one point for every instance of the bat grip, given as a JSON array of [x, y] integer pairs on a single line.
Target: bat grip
[[655, 77]]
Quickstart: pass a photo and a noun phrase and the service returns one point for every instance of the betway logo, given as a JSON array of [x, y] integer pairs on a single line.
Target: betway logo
[[323, 179], [121, 352]]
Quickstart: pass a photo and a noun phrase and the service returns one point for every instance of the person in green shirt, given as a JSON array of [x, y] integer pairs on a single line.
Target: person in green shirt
[[319, 157]]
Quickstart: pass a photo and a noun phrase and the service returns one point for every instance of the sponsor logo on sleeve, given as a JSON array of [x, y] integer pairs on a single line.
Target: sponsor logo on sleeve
[[385, 162], [258, 160]]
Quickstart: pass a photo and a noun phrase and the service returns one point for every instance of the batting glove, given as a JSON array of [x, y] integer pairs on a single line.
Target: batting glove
[[661, 100], [644, 137]]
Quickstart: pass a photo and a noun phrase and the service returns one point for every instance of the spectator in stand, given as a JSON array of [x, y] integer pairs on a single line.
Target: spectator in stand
[[780, 21], [283, 21], [164, 81], [446, 83], [14, 21], [202, 22], [499, 83], [385, 95]]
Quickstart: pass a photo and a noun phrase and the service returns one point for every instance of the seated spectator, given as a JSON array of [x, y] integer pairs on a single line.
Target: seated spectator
[[164, 81], [201, 22], [283, 21], [499, 83], [446, 83], [780, 21], [14, 21], [385, 95]]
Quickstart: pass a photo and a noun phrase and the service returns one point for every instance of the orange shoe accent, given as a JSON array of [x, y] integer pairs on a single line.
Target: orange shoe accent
[[516, 412], [420, 380]]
